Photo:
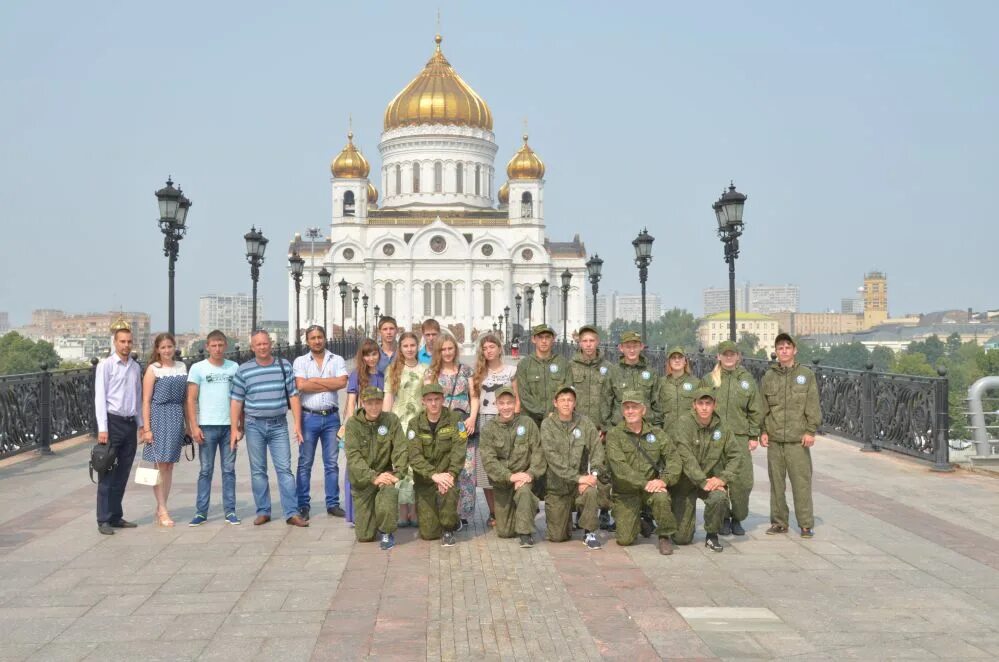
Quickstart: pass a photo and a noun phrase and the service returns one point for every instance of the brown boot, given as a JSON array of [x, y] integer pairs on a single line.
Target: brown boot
[[665, 547], [261, 519], [296, 520]]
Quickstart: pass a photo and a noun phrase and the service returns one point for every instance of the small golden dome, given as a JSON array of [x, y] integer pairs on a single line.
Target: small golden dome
[[372, 194], [438, 95], [525, 164], [350, 163], [504, 194], [120, 325]]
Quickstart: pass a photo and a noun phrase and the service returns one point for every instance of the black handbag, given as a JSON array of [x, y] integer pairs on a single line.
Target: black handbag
[[103, 459], [188, 445]]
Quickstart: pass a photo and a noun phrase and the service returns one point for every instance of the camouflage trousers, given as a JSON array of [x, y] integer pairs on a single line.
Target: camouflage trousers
[[627, 512], [559, 508], [375, 509], [436, 512], [794, 461], [684, 497], [515, 510]]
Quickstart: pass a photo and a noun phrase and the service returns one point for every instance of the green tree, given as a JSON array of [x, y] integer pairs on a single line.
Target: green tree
[[20, 355], [953, 344], [913, 363], [932, 348], [854, 356], [678, 327], [882, 358], [808, 352]]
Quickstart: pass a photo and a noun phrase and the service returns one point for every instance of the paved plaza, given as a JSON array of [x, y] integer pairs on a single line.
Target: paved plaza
[[905, 563]]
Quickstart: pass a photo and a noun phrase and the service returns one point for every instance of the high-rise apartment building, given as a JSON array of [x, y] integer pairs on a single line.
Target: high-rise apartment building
[[627, 307], [763, 299], [4, 322], [230, 313]]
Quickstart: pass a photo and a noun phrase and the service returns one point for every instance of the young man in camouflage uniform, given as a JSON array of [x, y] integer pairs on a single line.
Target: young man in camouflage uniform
[[540, 375], [789, 428], [377, 459], [574, 461], [643, 463], [510, 450], [632, 373], [711, 461], [437, 441]]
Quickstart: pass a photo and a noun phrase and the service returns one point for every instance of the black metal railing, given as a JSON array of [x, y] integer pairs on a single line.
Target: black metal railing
[[41, 408], [902, 413]]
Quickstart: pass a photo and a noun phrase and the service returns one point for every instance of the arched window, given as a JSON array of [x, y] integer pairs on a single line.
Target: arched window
[[438, 298], [478, 180], [388, 299], [427, 298], [438, 177], [460, 178], [526, 205], [416, 178], [448, 300], [487, 299], [348, 203], [398, 179]]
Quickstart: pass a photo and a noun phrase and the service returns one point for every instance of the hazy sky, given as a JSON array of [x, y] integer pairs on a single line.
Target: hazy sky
[[864, 133]]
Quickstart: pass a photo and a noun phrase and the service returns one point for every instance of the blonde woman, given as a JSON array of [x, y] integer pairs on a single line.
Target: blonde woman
[[402, 397], [459, 396], [676, 388], [490, 375]]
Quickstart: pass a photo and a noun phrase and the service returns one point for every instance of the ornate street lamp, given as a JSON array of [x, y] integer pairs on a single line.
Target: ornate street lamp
[[378, 317], [529, 299], [173, 223], [593, 267], [566, 280], [543, 287], [643, 257], [356, 291], [728, 212], [506, 322], [343, 285], [256, 244], [324, 285], [364, 305], [518, 300], [297, 269]]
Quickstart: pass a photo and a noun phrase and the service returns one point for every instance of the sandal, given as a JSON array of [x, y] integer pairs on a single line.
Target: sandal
[[775, 529], [163, 519]]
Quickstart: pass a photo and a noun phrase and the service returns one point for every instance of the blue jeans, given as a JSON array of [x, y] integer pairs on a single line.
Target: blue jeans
[[318, 429], [216, 438], [261, 434]]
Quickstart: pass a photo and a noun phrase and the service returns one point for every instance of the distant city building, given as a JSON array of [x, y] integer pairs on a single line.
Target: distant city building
[[82, 348], [277, 328], [603, 306], [230, 313], [764, 299], [716, 300], [875, 299], [811, 324], [715, 328], [4, 323], [852, 305], [614, 306], [49, 324]]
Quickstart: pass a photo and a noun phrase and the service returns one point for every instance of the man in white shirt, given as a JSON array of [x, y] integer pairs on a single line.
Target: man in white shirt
[[318, 376]]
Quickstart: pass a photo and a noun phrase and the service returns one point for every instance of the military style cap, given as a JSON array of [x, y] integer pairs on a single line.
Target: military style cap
[[727, 346], [784, 336], [632, 396], [542, 328], [565, 388], [630, 336], [505, 390], [676, 350], [372, 393], [588, 327], [433, 387], [704, 392]]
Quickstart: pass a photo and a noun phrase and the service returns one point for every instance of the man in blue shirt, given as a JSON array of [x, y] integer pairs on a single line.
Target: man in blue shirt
[[208, 387], [431, 329], [387, 328], [265, 388]]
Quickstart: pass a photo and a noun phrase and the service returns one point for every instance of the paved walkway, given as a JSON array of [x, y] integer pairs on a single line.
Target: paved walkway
[[905, 564]]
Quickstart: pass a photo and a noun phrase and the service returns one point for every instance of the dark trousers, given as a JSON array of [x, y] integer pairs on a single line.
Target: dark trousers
[[111, 485]]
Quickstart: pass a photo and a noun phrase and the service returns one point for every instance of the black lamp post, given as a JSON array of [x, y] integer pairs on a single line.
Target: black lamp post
[[343, 307], [593, 267], [518, 300], [173, 223], [543, 287], [356, 291], [378, 317], [506, 322], [297, 269], [566, 280], [529, 299], [324, 285], [256, 244], [728, 212], [364, 305], [643, 257]]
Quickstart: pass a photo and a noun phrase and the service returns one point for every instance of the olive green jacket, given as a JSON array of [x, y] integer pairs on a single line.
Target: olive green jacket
[[570, 450], [436, 452], [629, 468], [707, 451], [792, 396], [623, 377], [537, 381], [675, 397], [510, 447], [588, 377], [738, 402], [374, 447]]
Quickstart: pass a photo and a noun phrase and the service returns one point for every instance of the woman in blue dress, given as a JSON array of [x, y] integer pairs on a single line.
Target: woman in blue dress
[[163, 392]]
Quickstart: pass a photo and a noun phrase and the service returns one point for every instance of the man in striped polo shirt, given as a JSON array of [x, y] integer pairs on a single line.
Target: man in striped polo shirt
[[264, 387]]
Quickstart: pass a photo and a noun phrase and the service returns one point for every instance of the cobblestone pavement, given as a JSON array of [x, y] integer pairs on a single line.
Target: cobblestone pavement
[[905, 563]]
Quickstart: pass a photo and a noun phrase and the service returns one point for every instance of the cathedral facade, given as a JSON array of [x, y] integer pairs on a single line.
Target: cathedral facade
[[439, 243]]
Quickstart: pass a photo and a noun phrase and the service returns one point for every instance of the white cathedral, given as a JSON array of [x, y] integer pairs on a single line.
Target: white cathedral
[[439, 245]]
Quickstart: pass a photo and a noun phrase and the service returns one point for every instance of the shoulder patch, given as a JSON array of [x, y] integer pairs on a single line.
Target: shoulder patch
[[521, 430], [603, 370], [412, 434], [577, 433], [646, 375], [744, 384], [716, 435], [801, 379], [651, 438], [461, 427], [687, 386], [382, 430], [553, 368]]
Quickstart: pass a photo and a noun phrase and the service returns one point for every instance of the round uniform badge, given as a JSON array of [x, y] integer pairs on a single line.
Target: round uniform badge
[[461, 427], [553, 368], [800, 379], [651, 438], [412, 434], [717, 435], [382, 430], [744, 384], [646, 375], [521, 430], [603, 370], [577, 433], [687, 386]]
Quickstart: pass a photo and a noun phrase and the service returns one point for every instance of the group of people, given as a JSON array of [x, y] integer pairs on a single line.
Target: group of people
[[604, 445]]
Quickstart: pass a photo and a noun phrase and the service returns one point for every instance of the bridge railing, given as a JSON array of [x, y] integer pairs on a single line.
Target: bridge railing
[[41, 408]]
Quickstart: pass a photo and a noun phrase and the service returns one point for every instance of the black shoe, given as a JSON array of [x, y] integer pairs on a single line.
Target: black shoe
[[605, 520], [447, 540], [304, 513], [105, 529], [737, 528], [124, 524], [526, 542], [711, 542], [462, 523], [647, 526], [726, 528], [336, 511]]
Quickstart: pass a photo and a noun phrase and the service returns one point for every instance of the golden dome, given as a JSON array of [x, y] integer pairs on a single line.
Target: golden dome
[[438, 95], [525, 164], [350, 163], [372, 194], [120, 325], [504, 194]]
